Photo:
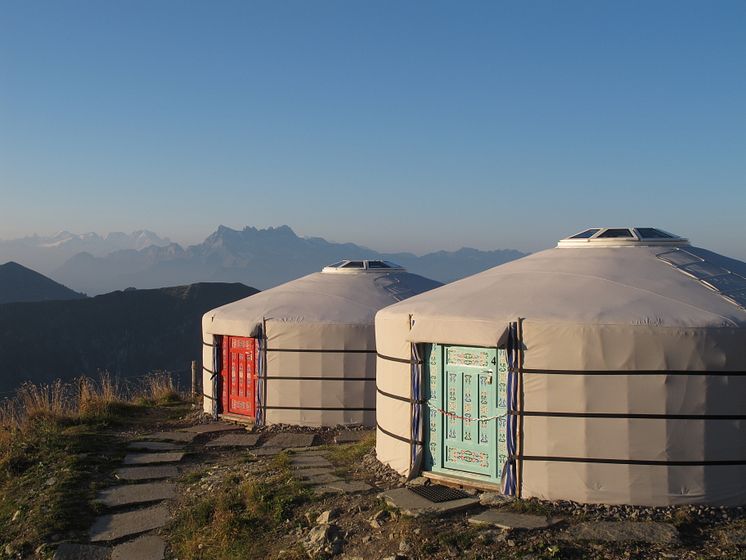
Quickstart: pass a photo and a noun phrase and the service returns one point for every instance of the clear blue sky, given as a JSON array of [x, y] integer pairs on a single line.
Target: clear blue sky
[[399, 125]]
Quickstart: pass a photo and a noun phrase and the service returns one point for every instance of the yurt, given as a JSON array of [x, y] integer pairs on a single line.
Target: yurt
[[303, 352], [609, 369]]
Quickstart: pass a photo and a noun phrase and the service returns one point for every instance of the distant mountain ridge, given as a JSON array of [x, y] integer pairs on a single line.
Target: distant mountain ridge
[[127, 333], [47, 253], [259, 257], [21, 284]]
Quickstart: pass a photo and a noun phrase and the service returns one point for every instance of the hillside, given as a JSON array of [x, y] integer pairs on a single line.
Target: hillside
[[260, 257], [18, 283], [127, 333]]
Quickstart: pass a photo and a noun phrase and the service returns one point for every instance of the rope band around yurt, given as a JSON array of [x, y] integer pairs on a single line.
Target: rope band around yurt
[[398, 437]]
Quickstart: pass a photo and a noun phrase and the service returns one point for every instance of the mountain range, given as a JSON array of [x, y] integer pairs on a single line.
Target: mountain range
[[127, 333], [47, 253], [259, 257]]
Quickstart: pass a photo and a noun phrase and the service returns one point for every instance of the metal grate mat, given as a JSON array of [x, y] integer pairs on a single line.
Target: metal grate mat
[[438, 493]]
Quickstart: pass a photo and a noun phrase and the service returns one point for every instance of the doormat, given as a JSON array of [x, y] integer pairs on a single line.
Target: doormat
[[438, 493]]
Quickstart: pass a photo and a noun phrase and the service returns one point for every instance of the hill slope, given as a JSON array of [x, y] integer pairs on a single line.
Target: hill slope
[[127, 333], [18, 283], [260, 257]]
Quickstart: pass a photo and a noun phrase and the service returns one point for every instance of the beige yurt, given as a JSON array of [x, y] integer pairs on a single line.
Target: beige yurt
[[304, 352], [610, 369]]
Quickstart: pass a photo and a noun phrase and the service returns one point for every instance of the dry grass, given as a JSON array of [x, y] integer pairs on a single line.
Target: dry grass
[[159, 387], [82, 399], [55, 441], [239, 520]]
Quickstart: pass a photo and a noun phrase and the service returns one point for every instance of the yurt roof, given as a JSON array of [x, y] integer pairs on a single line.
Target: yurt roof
[[635, 282], [322, 297]]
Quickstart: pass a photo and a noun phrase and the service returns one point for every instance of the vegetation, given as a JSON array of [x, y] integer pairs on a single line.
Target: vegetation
[[238, 520], [56, 447], [345, 456]]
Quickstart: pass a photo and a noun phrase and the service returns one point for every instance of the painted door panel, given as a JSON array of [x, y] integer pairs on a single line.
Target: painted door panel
[[239, 375], [465, 388]]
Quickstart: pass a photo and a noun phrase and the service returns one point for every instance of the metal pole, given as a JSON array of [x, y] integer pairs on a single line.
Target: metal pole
[[194, 378]]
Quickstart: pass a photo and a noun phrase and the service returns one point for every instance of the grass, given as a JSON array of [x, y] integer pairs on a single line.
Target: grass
[[56, 446], [345, 456], [239, 519]]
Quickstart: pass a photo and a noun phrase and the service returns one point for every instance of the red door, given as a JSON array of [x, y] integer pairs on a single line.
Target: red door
[[239, 375]]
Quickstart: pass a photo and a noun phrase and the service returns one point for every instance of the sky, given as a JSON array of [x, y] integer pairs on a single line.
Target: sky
[[399, 125]]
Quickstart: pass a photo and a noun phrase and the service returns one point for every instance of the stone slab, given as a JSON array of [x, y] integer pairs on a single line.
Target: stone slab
[[137, 494], [342, 487], [414, 505], [512, 521], [310, 452], [301, 462], [267, 451], [119, 525], [154, 446], [305, 473], [152, 458], [289, 440], [352, 436], [149, 547], [650, 532], [181, 437], [234, 440], [147, 473], [213, 428], [70, 551], [317, 479]]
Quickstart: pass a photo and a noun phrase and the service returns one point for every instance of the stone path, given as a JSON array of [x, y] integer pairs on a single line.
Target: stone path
[[234, 440], [312, 469], [137, 505]]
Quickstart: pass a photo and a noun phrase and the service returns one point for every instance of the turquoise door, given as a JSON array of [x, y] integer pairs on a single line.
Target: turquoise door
[[466, 411]]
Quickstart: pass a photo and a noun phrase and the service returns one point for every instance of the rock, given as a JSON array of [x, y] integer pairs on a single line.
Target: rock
[[113, 527], [212, 428], [492, 499], [512, 521], [352, 436], [323, 540], [419, 481], [69, 551], [326, 517], [378, 519], [149, 547], [146, 473], [153, 458], [235, 440], [129, 494], [623, 531]]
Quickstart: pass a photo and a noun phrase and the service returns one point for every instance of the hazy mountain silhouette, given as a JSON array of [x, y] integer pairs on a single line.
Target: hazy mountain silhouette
[[18, 283], [46, 254], [260, 257], [128, 333]]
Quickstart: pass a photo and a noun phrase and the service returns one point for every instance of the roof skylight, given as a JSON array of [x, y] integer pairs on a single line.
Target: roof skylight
[[613, 237], [350, 266]]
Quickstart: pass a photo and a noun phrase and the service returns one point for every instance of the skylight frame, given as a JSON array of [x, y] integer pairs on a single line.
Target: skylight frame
[[636, 238], [341, 267]]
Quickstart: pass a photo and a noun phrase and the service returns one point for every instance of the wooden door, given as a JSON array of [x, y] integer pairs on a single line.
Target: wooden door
[[239, 375], [466, 390]]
